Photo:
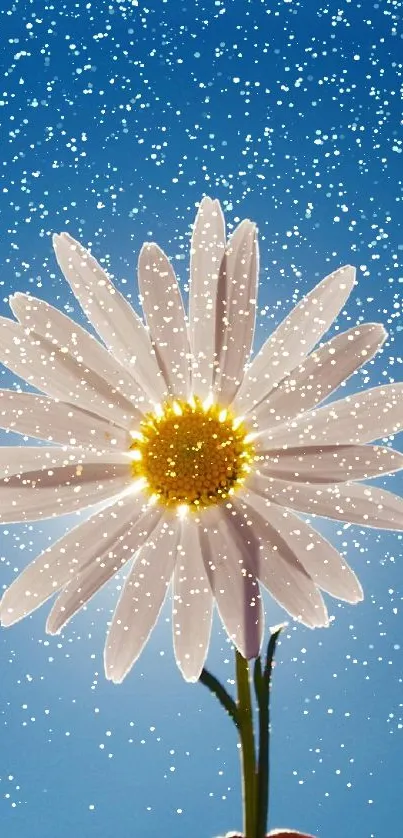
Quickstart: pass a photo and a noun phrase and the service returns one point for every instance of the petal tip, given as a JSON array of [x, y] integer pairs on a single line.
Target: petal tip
[[206, 201], [345, 274], [148, 254], [350, 271], [359, 597], [17, 295], [4, 621], [59, 239], [190, 674], [112, 675], [190, 678], [52, 628], [8, 617], [318, 620], [384, 334]]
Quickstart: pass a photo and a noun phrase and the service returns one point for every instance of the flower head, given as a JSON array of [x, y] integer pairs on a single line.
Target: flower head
[[201, 457]]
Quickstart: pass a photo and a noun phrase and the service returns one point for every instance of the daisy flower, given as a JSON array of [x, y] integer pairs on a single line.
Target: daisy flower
[[195, 458]]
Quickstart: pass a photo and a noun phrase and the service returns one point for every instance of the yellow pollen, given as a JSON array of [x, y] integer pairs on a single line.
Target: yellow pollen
[[191, 454]]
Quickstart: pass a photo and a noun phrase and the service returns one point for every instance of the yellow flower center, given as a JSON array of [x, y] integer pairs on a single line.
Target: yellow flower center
[[191, 454]]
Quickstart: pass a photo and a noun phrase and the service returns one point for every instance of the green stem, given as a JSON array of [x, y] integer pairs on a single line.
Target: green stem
[[262, 792], [244, 707], [262, 681]]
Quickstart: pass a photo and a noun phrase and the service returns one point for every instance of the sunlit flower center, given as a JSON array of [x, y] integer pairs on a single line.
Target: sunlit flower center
[[191, 454]]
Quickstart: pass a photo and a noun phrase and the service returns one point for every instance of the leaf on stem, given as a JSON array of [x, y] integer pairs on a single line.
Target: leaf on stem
[[216, 688]]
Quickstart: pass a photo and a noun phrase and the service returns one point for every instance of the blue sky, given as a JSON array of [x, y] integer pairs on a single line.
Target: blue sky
[[115, 119]]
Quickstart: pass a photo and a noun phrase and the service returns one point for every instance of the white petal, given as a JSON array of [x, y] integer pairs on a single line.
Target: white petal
[[66, 558], [59, 375], [39, 416], [46, 464], [110, 313], [233, 583], [192, 604], [277, 566], [295, 337], [163, 308], [207, 250], [327, 569], [353, 502], [236, 309], [38, 495], [361, 417], [108, 561], [320, 374], [62, 331], [329, 464], [141, 600]]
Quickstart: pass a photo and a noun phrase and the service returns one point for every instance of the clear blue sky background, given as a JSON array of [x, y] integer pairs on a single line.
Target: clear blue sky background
[[115, 119]]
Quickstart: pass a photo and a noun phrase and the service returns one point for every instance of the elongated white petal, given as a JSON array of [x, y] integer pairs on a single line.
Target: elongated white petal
[[277, 566], [232, 581], [68, 557], [45, 464], [295, 337], [327, 569], [141, 600], [59, 422], [353, 502], [103, 566], [59, 375], [359, 418], [320, 374], [64, 333], [206, 252], [236, 310], [192, 604], [112, 316], [163, 308], [329, 464], [38, 495]]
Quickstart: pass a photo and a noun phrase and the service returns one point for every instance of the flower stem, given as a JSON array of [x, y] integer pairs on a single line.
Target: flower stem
[[244, 707], [255, 777], [262, 792], [262, 682]]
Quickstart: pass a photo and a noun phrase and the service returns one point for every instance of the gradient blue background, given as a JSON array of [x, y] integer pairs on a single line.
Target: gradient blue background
[[115, 119]]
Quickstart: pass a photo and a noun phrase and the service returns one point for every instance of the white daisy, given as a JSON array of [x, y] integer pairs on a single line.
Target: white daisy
[[198, 454]]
